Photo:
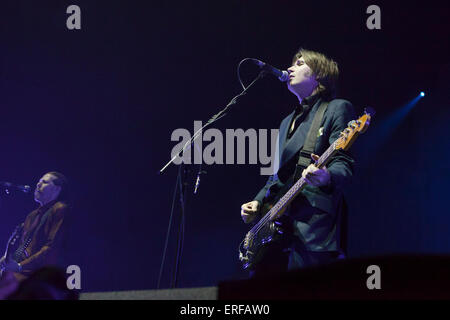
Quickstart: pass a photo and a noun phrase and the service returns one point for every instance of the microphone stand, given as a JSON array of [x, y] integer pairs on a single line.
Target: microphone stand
[[7, 187], [181, 185]]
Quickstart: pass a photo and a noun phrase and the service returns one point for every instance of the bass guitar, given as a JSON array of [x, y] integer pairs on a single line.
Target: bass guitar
[[269, 228], [11, 247]]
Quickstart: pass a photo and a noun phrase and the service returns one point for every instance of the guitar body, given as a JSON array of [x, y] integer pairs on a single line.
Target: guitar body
[[275, 232], [11, 246]]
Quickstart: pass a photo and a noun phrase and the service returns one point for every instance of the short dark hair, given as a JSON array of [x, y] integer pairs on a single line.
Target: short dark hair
[[62, 182], [325, 69]]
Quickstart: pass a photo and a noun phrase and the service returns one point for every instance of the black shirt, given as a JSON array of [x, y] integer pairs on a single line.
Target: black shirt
[[304, 114], [300, 112]]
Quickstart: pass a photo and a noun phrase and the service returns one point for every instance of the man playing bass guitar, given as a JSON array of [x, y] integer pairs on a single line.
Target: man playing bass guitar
[[36, 243], [313, 221]]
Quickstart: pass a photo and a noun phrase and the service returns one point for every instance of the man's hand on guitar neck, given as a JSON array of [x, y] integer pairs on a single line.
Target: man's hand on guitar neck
[[315, 176], [249, 211]]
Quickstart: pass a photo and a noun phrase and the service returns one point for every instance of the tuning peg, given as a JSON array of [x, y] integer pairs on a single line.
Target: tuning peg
[[354, 124]]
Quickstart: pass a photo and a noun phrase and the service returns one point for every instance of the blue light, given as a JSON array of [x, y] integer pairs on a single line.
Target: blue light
[[422, 94]]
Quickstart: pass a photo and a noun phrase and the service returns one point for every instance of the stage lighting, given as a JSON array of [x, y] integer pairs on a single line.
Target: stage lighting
[[422, 94]]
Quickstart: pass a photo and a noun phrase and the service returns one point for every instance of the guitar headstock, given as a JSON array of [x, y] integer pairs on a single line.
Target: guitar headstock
[[354, 128]]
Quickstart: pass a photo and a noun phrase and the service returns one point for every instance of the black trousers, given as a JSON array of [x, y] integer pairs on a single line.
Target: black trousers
[[277, 260]]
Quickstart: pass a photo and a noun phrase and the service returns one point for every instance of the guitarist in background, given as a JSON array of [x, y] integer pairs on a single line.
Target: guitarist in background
[[314, 218], [39, 237]]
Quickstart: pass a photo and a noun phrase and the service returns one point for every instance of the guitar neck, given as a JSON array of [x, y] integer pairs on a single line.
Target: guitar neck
[[277, 210]]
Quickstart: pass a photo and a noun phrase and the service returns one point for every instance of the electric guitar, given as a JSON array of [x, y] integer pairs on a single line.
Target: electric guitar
[[11, 247], [269, 228]]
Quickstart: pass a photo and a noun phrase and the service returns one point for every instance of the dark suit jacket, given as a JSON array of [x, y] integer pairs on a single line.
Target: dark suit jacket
[[45, 245], [315, 211]]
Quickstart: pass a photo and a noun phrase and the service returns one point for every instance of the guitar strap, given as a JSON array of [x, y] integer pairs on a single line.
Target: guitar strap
[[304, 159]]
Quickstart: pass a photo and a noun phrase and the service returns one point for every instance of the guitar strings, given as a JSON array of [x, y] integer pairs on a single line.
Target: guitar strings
[[272, 213]]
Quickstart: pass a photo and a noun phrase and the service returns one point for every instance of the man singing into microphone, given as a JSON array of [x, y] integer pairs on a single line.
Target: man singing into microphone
[[315, 217], [41, 237]]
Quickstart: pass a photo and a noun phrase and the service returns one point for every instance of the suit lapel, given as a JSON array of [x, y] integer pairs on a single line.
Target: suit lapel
[[296, 142], [283, 135], [293, 145]]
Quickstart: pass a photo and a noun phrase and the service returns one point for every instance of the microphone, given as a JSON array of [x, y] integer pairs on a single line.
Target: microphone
[[9, 185], [282, 75]]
